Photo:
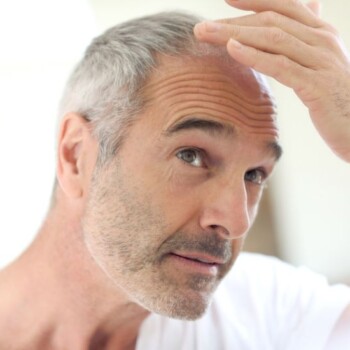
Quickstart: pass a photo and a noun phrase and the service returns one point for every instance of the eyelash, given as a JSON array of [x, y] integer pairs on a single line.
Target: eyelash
[[201, 153], [263, 176], [197, 151]]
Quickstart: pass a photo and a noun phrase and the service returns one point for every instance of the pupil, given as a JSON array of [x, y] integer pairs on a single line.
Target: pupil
[[188, 156]]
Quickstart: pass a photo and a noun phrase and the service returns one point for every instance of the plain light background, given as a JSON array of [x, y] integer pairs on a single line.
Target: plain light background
[[41, 41]]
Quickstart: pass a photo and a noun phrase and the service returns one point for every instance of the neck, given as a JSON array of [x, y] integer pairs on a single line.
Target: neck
[[55, 296]]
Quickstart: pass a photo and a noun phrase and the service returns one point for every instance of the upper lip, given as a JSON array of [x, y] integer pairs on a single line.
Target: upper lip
[[201, 257]]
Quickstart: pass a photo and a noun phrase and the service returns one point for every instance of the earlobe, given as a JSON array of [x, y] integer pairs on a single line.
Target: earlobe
[[74, 148]]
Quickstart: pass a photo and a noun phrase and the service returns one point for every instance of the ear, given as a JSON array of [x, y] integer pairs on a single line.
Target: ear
[[77, 153]]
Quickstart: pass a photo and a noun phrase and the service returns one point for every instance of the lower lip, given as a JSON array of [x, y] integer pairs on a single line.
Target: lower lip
[[194, 265]]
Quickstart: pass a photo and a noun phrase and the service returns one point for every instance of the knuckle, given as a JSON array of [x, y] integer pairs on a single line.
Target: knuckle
[[293, 3], [282, 63], [332, 29], [276, 35], [270, 18], [235, 31], [329, 39], [327, 27], [328, 62], [323, 59]]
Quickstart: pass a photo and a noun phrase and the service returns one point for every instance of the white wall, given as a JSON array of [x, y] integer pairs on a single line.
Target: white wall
[[312, 186], [311, 196], [40, 42]]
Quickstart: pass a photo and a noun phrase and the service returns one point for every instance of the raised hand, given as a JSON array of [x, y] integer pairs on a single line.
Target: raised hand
[[287, 40]]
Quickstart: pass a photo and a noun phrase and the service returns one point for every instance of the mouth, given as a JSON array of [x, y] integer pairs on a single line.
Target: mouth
[[196, 262], [199, 257]]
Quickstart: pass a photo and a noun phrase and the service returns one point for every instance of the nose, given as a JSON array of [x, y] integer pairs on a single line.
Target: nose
[[226, 211]]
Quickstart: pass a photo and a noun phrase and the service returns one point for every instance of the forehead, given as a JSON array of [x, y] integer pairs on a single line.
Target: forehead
[[210, 87], [220, 70]]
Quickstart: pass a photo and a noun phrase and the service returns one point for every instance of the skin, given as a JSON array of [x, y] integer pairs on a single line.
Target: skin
[[149, 206], [126, 238], [88, 296], [288, 41]]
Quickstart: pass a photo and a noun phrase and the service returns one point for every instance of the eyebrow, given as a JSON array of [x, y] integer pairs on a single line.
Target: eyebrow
[[215, 128], [276, 149], [210, 126]]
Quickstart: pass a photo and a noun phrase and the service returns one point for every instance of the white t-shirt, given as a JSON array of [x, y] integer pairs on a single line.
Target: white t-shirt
[[262, 304]]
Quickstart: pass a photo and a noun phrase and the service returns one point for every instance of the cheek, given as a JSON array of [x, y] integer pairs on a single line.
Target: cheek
[[253, 205], [122, 226], [180, 198], [166, 189]]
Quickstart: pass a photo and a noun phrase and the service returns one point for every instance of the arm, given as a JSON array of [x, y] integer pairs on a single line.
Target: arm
[[287, 40]]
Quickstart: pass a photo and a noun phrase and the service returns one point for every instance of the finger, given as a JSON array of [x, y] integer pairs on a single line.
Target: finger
[[315, 7], [269, 19], [272, 40], [278, 67], [294, 9]]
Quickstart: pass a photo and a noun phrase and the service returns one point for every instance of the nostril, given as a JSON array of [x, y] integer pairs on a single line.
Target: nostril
[[222, 231]]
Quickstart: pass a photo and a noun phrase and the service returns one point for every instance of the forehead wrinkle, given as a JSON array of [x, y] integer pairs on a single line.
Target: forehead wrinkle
[[221, 106], [259, 126], [226, 98], [210, 90], [155, 86], [262, 110]]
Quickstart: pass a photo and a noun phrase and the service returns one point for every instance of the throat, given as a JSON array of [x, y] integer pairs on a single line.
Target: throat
[[119, 334]]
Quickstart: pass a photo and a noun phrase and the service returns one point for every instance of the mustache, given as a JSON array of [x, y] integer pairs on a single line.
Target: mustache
[[209, 243]]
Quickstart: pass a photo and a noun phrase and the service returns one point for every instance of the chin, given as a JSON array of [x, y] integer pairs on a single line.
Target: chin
[[183, 306]]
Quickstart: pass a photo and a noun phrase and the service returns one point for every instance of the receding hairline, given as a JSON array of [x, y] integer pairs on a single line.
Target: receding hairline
[[122, 60]]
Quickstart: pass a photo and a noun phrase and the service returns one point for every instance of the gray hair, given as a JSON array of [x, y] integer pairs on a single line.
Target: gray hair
[[105, 86]]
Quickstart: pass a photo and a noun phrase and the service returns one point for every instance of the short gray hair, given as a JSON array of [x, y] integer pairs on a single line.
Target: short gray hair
[[105, 85]]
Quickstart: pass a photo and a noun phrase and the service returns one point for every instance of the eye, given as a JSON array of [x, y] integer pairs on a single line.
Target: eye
[[191, 156], [256, 176]]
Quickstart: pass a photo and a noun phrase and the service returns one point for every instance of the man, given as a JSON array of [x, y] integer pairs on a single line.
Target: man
[[164, 147]]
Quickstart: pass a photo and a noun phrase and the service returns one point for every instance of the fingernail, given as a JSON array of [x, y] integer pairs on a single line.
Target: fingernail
[[212, 27], [235, 44]]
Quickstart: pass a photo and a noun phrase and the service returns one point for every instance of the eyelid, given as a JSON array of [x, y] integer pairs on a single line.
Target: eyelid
[[202, 153], [264, 174]]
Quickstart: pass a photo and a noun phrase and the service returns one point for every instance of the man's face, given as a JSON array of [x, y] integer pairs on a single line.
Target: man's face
[[167, 218]]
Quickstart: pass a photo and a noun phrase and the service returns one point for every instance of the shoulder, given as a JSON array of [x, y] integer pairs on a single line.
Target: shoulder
[[285, 302], [253, 269], [263, 303], [269, 279], [270, 271]]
